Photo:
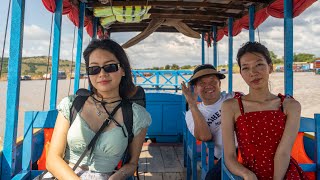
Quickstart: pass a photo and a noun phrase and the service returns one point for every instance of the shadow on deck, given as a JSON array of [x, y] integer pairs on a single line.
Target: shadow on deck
[[162, 161]]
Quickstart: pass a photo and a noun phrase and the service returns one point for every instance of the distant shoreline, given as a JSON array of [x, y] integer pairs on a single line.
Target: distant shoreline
[[38, 77], [305, 90]]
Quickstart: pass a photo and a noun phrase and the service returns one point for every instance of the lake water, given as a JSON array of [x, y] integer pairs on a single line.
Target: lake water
[[306, 91]]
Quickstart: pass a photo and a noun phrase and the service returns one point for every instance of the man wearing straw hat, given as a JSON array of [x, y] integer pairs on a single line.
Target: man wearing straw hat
[[204, 119]]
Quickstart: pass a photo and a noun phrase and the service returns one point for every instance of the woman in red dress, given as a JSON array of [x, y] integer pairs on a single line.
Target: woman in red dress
[[265, 124]]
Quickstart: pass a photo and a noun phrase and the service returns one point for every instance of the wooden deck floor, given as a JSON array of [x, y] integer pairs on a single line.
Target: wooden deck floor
[[162, 162]]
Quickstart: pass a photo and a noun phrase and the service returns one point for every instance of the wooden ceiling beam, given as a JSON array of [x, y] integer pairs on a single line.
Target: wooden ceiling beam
[[160, 29], [145, 25], [204, 22], [193, 12], [136, 29], [198, 21], [190, 17], [168, 4]]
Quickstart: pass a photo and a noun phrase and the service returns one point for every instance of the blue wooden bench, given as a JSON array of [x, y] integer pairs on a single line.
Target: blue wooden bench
[[193, 156], [194, 153], [306, 125], [185, 133], [207, 150], [185, 141], [33, 119]]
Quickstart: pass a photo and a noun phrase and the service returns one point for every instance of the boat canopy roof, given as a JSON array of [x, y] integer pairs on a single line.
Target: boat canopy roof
[[190, 17]]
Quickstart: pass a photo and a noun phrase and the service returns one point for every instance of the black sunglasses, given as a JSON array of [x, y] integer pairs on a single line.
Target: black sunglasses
[[109, 68]]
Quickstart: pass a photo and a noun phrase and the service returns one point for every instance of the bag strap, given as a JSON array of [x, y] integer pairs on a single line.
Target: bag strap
[[95, 138], [76, 106], [78, 102], [128, 122], [128, 118]]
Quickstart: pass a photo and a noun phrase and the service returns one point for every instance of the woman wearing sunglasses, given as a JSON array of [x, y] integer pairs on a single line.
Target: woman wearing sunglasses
[[110, 81]]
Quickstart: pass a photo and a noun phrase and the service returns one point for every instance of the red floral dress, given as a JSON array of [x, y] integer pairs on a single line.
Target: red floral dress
[[258, 134]]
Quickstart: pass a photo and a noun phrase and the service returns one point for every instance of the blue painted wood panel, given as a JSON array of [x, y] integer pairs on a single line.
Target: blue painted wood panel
[[251, 22], [167, 113], [37, 141], [230, 57], [202, 48], [215, 51], [35, 119], [33, 143], [288, 47], [309, 146], [156, 115], [307, 125], [13, 90], [55, 54], [172, 123], [79, 47]]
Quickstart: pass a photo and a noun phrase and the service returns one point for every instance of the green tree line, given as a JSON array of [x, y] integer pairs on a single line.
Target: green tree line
[[171, 67], [300, 57], [37, 65]]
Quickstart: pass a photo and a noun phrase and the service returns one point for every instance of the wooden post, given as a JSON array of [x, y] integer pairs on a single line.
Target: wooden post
[[13, 90], [79, 47], [55, 54]]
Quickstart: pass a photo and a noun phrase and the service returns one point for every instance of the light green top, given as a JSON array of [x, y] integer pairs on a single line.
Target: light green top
[[109, 147]]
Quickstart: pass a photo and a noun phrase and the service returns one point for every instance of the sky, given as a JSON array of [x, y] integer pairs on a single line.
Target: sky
[[160, 49]]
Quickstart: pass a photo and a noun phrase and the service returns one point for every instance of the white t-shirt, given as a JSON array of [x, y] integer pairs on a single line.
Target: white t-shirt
[[212, 114]]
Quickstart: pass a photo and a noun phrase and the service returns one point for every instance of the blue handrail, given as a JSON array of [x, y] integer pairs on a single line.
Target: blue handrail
[[161, 79]]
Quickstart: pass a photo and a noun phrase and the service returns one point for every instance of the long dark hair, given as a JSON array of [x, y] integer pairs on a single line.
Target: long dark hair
[[126, 84]]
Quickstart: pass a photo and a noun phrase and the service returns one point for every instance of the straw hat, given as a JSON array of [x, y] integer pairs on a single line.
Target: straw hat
[[203, 70]]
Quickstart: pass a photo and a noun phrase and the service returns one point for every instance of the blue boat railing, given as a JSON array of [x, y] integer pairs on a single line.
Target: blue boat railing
[[161, 79]]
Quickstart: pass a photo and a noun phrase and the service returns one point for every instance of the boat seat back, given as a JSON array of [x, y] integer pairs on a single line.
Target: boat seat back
[[34, 120], [298, 151]]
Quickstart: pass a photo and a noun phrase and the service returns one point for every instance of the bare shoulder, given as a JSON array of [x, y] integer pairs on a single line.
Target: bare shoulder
[[230, 104], [291, 104], [230, 101]]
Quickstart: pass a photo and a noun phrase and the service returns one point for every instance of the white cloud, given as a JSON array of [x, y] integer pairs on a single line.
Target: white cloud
[[160, 49], [34, 32]]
